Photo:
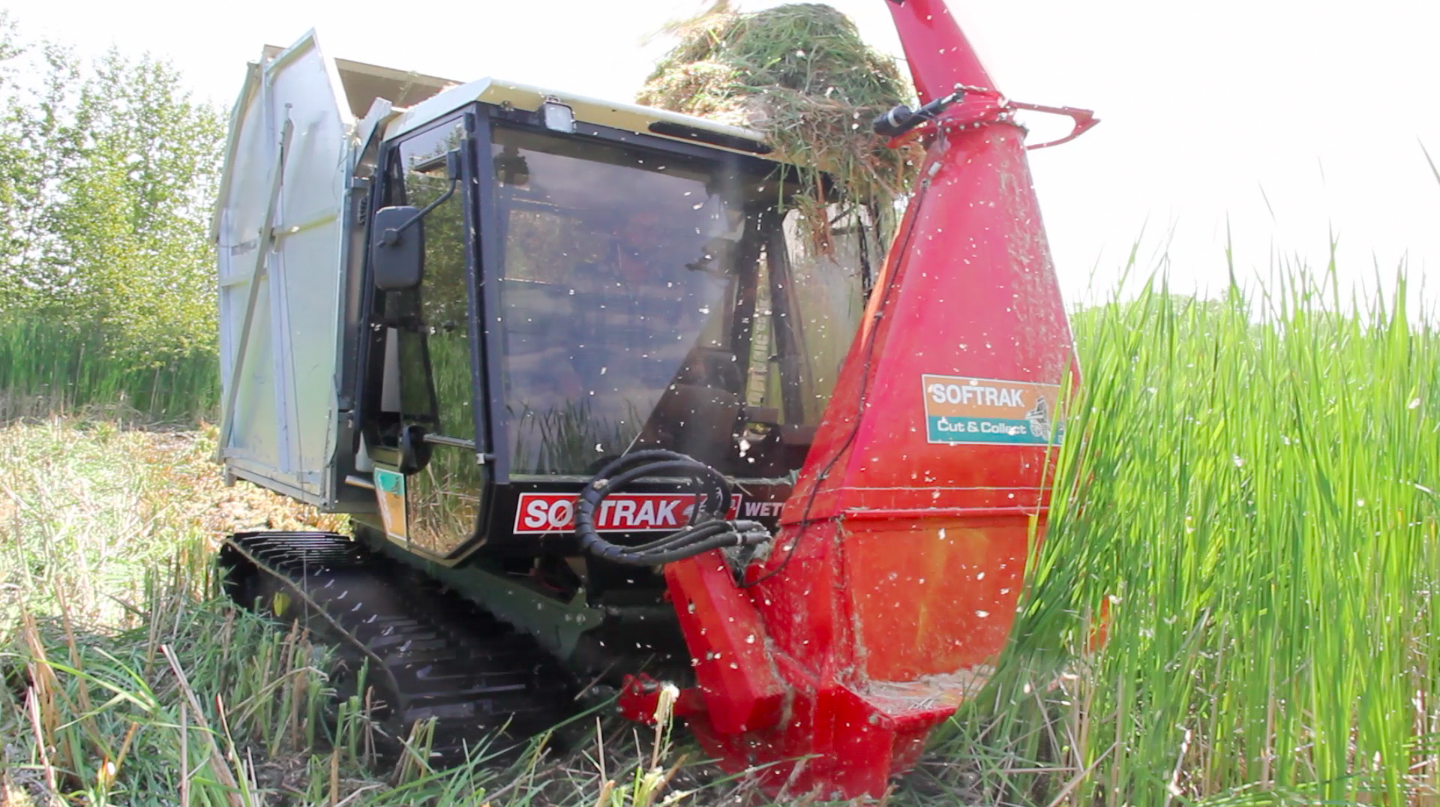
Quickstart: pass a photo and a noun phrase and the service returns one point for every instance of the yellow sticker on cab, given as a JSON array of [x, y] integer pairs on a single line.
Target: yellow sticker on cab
[[990, 411]]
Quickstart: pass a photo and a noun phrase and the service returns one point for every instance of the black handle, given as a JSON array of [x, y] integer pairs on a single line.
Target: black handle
[[896, 122], [414, 450], [902, 118]]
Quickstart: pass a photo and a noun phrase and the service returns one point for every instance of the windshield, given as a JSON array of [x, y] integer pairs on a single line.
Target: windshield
[[643, 300], [618, 283]]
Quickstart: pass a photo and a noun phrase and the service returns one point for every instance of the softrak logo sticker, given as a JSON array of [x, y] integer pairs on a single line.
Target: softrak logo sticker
[[539, 513], [986, 410]]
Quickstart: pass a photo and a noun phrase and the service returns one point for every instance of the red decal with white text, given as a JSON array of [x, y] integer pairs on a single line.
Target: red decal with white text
[[540, 513]]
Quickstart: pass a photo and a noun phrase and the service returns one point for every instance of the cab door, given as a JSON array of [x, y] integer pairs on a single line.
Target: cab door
[[430, 472]]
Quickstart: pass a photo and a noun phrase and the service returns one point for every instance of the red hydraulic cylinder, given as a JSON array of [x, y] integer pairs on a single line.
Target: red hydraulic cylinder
[[893, 582]]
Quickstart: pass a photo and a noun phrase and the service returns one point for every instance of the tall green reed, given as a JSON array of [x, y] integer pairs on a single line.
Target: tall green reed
[[49, 368], [1248, 498]]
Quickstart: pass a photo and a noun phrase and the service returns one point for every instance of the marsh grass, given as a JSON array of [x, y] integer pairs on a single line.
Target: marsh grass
[[126, 680], [46, 368], [1251, 515], [1249, 512]]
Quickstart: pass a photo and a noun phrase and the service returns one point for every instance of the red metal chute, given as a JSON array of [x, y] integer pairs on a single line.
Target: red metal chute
[[895, 576]]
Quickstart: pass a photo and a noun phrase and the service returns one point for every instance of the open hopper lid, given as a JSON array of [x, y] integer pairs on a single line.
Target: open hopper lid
[[363, 83]]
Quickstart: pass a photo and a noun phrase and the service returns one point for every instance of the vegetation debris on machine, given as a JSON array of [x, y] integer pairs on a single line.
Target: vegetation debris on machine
[[800, 74]]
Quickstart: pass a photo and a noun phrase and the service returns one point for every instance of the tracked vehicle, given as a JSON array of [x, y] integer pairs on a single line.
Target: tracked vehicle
[[602, 417]]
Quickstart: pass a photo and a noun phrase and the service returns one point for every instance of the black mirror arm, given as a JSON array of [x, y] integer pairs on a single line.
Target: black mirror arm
[[392, 236]]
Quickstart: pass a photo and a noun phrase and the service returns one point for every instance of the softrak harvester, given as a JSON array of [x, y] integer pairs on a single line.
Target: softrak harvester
[[601, 415]]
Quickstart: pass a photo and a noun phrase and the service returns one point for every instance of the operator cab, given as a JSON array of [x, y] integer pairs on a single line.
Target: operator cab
[[592, 280]]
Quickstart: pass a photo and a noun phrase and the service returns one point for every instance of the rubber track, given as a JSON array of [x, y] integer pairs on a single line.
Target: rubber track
[[432, 653]]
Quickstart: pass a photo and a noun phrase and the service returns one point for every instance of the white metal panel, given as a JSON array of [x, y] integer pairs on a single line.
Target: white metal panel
[[283, 420], [245, 195]]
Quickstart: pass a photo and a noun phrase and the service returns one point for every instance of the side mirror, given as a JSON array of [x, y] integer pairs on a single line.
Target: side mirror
[[397, 248]]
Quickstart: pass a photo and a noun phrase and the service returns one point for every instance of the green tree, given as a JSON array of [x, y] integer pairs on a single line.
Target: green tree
[[133, 209], [108, 173], [35, 150], [105, 192]]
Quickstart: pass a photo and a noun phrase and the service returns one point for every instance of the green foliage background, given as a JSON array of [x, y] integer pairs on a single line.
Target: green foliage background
[[108, 172]]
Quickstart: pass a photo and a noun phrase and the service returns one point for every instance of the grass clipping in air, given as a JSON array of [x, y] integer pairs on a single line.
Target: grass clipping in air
[[800, 75]]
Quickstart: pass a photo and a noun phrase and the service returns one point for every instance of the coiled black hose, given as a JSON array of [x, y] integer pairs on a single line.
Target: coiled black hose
[[708, 527]]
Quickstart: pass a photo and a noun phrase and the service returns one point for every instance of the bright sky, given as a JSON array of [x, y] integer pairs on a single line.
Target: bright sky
[[1282, 120]]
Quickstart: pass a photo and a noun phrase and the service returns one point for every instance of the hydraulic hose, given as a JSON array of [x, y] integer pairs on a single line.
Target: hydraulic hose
[[708, 527]]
